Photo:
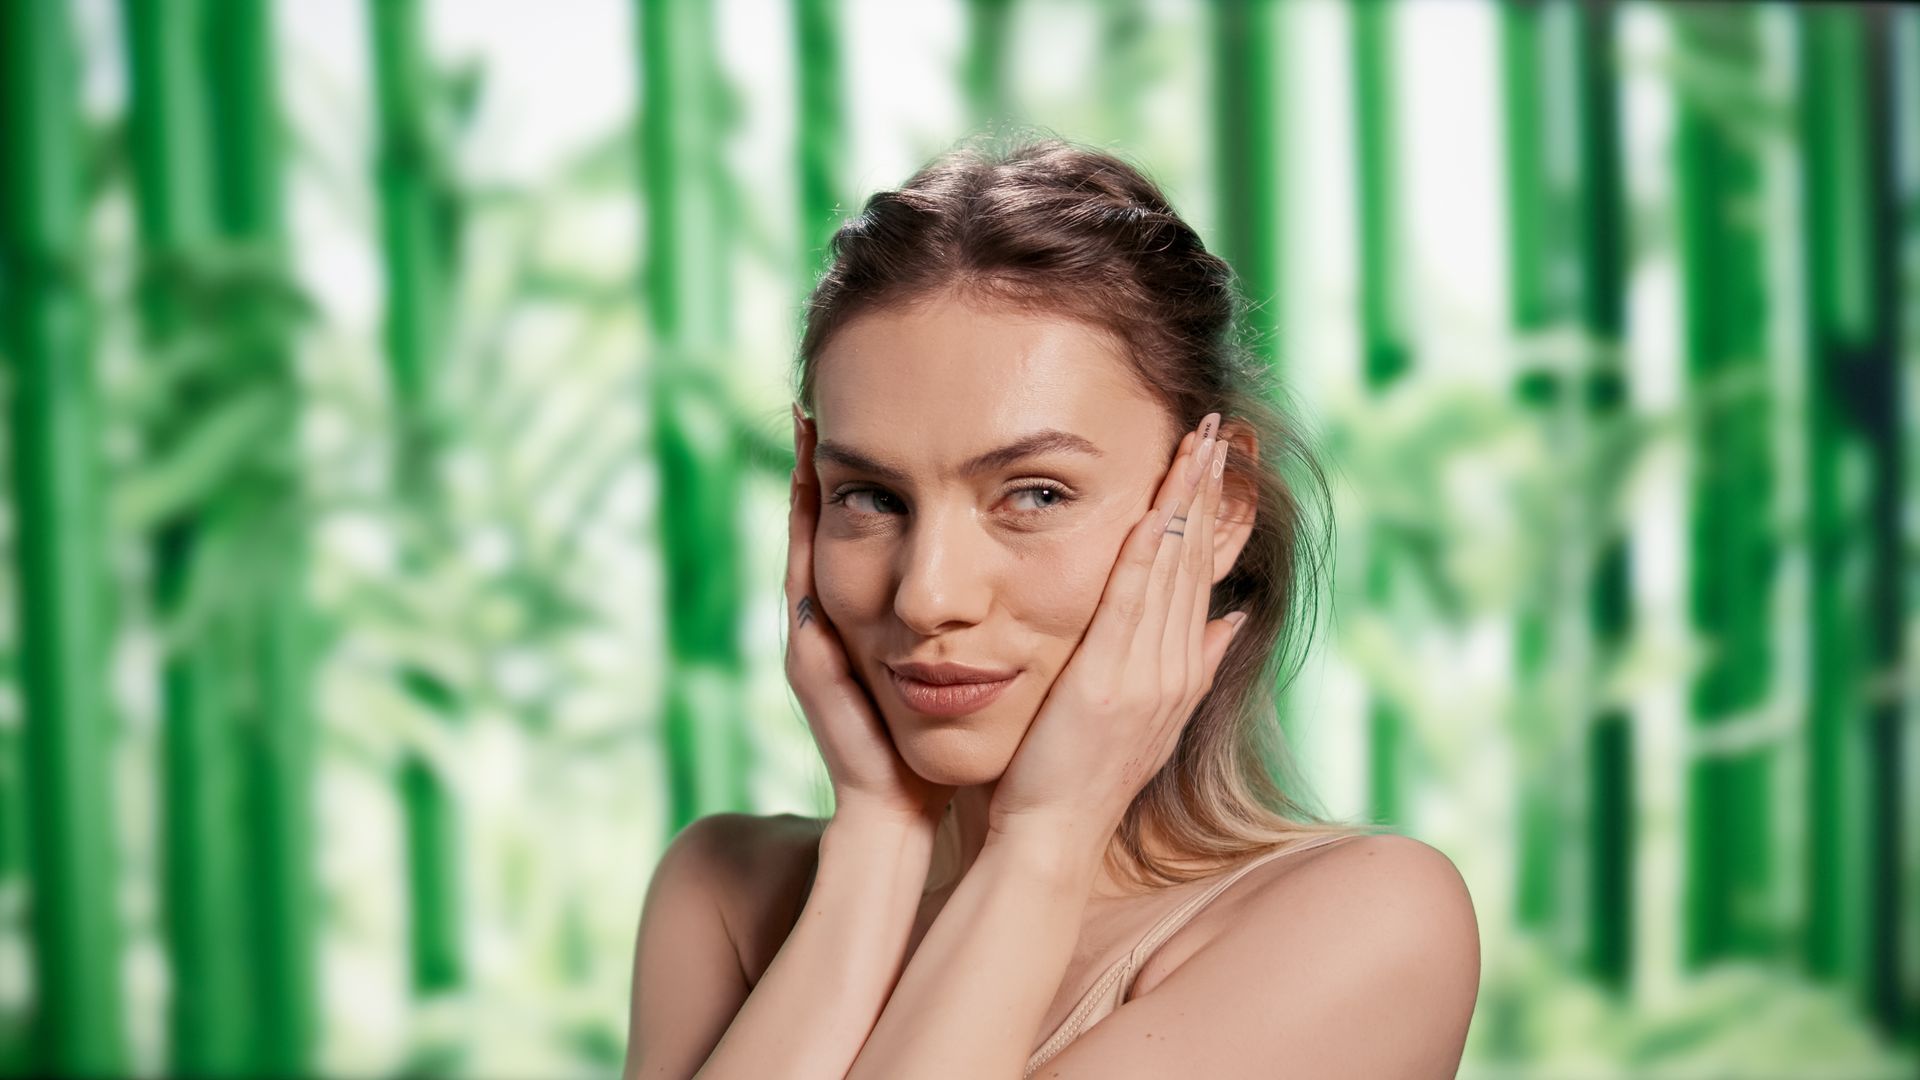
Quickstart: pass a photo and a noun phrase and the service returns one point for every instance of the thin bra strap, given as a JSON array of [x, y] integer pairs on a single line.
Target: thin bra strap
[[1117, 980], [1170, 923]]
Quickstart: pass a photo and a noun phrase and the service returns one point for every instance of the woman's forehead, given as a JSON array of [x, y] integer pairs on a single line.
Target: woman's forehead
[[967, 376]]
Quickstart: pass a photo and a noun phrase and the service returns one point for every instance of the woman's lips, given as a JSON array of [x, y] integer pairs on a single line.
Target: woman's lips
[[954, 699]]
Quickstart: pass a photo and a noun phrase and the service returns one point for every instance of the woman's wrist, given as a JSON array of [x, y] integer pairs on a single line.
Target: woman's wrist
[[1064, 850], [871, 830], [1078, 831], [853, 816]]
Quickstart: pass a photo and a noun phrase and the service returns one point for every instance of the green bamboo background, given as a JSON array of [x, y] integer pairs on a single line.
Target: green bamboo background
[[395, 426]]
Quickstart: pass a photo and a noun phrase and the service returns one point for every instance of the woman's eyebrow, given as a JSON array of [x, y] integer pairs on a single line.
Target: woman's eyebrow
[[1047, 441]]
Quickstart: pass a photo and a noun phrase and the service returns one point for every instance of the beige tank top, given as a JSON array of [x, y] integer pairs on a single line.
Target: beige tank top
[[1110, 990]]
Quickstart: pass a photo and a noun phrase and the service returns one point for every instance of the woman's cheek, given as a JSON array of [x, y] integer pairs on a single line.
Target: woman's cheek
[[837, 575], [1062, 590]]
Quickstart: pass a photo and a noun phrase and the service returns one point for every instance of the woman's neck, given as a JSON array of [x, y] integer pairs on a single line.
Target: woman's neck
[[963, 833]]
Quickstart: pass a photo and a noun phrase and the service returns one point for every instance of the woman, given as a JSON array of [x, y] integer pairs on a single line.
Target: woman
[[1041, 558]]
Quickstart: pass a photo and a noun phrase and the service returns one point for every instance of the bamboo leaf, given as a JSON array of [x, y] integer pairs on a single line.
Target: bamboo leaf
[[208, 454]]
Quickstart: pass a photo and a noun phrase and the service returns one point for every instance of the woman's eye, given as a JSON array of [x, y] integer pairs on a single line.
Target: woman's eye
[[849, 496], [1058, 494], [1038, 498]]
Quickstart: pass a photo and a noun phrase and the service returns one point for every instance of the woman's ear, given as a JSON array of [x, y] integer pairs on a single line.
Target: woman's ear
[[1239, 499]]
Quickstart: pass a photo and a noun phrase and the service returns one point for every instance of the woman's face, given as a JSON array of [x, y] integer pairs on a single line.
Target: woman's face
[[919, 558]]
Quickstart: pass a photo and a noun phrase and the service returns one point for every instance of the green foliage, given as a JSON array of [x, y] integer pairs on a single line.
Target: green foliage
[[1743, 1020]]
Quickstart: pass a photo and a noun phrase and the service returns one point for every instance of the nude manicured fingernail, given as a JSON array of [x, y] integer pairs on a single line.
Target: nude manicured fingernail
[[1209, 427]]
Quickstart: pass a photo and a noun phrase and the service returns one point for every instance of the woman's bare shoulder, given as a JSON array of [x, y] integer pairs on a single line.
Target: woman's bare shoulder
[[1354, 890], [1391, 902], [749, 848], [763, 866], [1361, 883]]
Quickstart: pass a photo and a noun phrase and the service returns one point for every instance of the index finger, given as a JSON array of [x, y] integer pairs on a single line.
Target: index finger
[[803, 513]]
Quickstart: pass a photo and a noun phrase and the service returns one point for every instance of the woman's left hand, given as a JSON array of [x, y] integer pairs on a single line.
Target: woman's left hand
[[1115, 712]]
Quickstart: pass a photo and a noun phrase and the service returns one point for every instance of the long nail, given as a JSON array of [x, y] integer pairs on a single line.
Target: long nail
[[1203, 450]]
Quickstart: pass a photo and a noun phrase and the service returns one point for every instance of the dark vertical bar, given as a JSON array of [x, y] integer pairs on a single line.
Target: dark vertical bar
[[1851, 219], [1903, 50], [1601, 243], [1887, 901]]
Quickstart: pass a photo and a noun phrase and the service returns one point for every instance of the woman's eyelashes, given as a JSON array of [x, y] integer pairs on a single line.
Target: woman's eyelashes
[[1037, 498]]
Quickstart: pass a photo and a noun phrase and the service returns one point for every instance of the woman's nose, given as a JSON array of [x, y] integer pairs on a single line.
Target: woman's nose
[[944, 579]]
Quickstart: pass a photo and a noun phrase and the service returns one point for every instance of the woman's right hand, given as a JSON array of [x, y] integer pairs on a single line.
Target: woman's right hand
[[869, 776]]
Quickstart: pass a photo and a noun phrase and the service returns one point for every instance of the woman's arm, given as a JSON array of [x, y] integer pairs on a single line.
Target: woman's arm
[[810, 1013], [969, 1006], [687, 981]]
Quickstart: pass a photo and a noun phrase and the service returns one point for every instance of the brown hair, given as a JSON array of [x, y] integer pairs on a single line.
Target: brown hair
[[1050, 227]]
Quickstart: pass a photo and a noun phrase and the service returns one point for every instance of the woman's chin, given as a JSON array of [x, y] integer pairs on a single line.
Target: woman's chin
[[959, 757]]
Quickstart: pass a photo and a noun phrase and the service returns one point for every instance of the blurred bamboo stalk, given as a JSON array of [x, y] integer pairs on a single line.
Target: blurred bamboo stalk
[[1248, 41], [1568, 260], [822, 139], [1386, 337], [1124, 70], [1900, 75], [211, 1005], [1731, 550], [1538, 258], [273, 657], [985, 77], [1849, 136], [1249, 158], [416, 223], [683, 124], [74, 922], [1601, 407]]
